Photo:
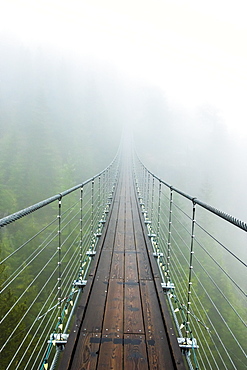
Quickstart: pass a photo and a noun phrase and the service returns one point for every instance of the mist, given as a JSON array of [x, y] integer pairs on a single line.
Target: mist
[[68, 89], [193, 152], [77, 108]]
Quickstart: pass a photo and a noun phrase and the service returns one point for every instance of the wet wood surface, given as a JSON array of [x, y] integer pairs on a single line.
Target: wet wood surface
[[122, 320]]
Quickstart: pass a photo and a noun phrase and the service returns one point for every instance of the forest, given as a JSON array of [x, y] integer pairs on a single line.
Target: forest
[[57, 128]]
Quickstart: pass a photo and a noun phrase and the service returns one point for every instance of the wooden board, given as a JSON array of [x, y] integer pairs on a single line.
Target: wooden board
[[135, 352], [131, 272], [133, 314], [111, 352], [87, 358], [157, 343], [117, 268], [113, 319]]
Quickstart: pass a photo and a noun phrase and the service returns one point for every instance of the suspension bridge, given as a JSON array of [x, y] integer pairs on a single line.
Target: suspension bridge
[[123, 271]]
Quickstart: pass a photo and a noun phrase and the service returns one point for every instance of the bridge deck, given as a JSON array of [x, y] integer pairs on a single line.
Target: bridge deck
[[120, 320]]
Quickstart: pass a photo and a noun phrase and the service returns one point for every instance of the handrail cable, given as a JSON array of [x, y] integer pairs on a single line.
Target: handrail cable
[[235, 221], [24, 212]]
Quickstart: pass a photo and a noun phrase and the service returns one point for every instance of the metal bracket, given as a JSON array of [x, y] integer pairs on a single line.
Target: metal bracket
[[167, 286], [158, 254], [186, 344], [91, 253], [80, 283], [58, 339]]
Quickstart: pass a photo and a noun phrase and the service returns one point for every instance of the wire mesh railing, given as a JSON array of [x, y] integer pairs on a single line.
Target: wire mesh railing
[[46, 251], [200, 253]]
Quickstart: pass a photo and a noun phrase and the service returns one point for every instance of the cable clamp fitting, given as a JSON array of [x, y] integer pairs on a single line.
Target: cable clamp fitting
[[58, 339], [80, 283], [91, 253], [167, 286], [158, 254], [186, 344]]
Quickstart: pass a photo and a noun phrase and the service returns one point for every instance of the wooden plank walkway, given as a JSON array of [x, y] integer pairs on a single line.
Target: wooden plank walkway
[[122, 320]]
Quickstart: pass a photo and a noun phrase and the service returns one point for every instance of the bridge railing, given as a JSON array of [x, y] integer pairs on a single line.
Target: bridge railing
[[46, 250], [200, 251]]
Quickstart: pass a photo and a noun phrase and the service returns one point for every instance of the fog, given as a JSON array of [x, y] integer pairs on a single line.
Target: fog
[[74, 74]]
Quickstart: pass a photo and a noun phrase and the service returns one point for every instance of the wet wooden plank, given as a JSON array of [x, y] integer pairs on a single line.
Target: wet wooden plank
[[135, 353], [117, 267], [131, 273], [120, 230], [93, 320], [103, 270], [87, 357], [112, 219], [129, 237], [110, 236], [157, 343], [120, 226], [111, 352], [144, 268], [143, 261], [133, 315], [113, 319], [175, 351]]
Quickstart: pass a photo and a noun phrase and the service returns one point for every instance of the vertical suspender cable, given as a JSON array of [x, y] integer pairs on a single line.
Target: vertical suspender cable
[[152, 203], [190, 268], [145, 187], [60, 327], [104, 183], [169, 238], [99, 194], [81, 225], [148, 190], [92, 210], [159, 210]]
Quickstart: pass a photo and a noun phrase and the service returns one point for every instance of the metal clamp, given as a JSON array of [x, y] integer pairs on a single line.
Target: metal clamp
[[58, 339], [91, 253], [186, 344], [167, 286], [158, 254], [80, 283]]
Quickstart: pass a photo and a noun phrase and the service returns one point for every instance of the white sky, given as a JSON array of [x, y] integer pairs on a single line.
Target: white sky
[[195, 50]]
